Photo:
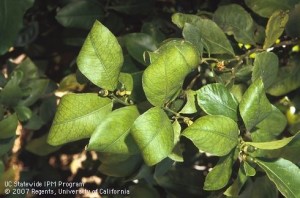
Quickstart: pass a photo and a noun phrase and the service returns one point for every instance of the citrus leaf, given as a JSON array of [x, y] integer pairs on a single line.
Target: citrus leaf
[[275, 27], [23, 113], [212, 36], [190, 105], [292, 27], [100, 58], [249, 170], [215, 134], [8, 126], [40, 147], [77, 117], [164, 77], [234, 189], [80, 14], [112, 135], [219, 176], [273, 144], [266, 67], [254, 106], [155, 143], [216, 99], [132, 7], [284, 174], [242, 27]]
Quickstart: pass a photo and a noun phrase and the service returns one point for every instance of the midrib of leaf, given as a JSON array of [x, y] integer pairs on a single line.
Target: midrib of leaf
[[244, 33], [218, 133], [99, 58], [218, 45], [282, 182], [225, 105], [77, 118], [119, 137]]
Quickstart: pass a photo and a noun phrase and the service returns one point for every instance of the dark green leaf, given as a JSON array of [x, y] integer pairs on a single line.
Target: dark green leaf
[[219, 176], [34, 123], [234, 189], [162, 168], [284, 174], [11, 94], [29, 70], [270, 127], [215, 99], [165, 76], [191, 33], [288, 79], [249, 170], [273, 144], [23, 113], [40, 147], [80, 14], [155, 143], [241, 27], [100, 58], [254, 106], [292, 26], [267, 7], [265, 67], [11, 21], [8, 126], [155, 29], [112, 135], [143, 190], [1, 168], [214, 134], [36, 88], [275, 27], [211, 35], [77, 117], [123, 168], [137, 44], [133, 7], [6, 145]]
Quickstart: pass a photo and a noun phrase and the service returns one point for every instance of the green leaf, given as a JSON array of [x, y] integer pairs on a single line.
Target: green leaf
[[29, 70], [190, 105], [211, 35], [40, 147], [11, 21], [215, 134], [77, 117], [241, 27], [284, 174], [288, 79], [234, 189], [126, 81], [191, 33], [254, 106], [80, 14], [292, 26], [219, 176], [6, 145], [267, 7], [23, 113], [122, 168], [100, 58], [164, 77], [143, 190], [155, 143], [249, 170], [120, 141], [275, 27], [1, 168], [36, 88], [133, 7], [11, 94], [8, 126], [273, 144], [266, 67], [137, 44], [270, 127], [216, 99], [176, 154]]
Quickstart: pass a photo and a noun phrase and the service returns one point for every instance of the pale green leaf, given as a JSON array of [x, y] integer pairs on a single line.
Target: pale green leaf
[[214, 134], [112, 135], [126, 80], [266, 8], [8, 126], [284, 174], [249, 170], [190, 105], [77, 117], [241, 27], [275, 27], [213, 38], [11, 21], [216, 99], [273, 144], [164, 77], [80, 14], [254, 106], [265, 67], [153, 133], [100, 58], [234, 189], [219, 176]]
